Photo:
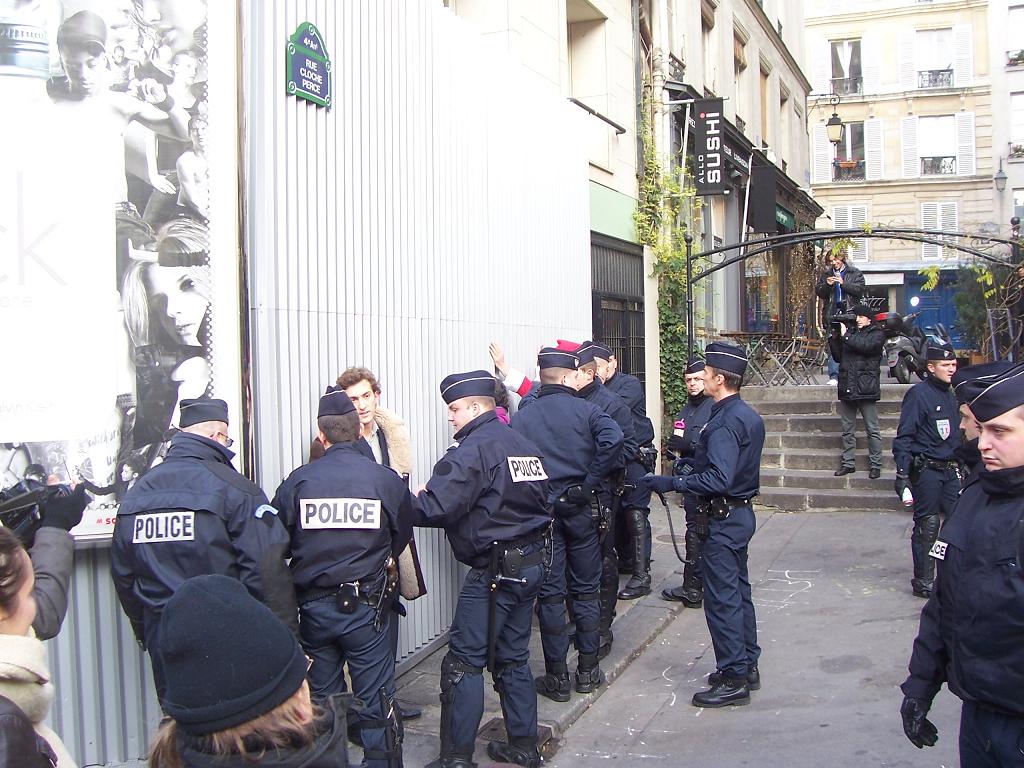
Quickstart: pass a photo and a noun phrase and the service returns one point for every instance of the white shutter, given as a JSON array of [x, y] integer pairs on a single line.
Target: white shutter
[[930, 221], [870, 56], [821, 159], [911, 160], [821, 67], [963, 61], [858, 218], [907, 55], [948, 221], [965, 164], [874, 150], [841, 216]]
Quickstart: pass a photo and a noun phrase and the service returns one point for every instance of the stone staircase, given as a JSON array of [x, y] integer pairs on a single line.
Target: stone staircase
[[803, 447]]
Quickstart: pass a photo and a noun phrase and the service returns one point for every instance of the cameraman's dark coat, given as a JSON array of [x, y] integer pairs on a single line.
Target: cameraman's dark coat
[[859, 353], [853, 289]]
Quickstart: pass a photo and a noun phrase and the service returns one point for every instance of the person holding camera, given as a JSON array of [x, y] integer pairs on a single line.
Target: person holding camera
[[839, 287], [857, 350]]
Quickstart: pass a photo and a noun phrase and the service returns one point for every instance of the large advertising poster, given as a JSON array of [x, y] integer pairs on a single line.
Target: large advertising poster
[[118, 271]]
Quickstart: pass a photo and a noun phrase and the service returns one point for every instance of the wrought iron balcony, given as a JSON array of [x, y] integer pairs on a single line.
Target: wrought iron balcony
[[848, 170], [935, 78], [938, 166], [847, 86]]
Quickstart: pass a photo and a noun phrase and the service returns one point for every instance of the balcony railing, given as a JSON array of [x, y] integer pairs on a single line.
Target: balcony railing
[[935, 78], [1015, 58], [938, 166], [847, 86], [848, 170]]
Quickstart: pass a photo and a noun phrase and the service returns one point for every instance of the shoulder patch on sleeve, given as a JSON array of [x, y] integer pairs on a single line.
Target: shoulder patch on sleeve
[[443, 467]]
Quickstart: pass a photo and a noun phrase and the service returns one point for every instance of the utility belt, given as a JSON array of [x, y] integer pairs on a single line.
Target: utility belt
[[720, 507], [375, 592], [510, 558], [921, 462]]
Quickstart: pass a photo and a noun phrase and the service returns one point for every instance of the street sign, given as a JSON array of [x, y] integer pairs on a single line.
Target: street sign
[[308, 66]]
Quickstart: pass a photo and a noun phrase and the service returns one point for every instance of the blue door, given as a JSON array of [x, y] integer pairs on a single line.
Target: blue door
[[934, 306]]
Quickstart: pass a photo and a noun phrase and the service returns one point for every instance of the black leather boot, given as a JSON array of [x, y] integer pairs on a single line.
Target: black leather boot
[[451, 761], [926, 531], [520, 752], [753, 678], [588, 675], [728, 692], [640, 582], [555, 684]]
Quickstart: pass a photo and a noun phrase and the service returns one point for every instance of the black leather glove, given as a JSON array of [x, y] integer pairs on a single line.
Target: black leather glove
[[682, 467], [65, 512], [901, 484], [656, 483], [919, 729], [580, 494]]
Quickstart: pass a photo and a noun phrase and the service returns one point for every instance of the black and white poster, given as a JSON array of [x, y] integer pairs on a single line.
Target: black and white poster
[[113, 260], [709, 146]]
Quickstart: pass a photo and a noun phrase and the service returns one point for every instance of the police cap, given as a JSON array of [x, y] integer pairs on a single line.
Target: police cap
[[549, 357], [591, 350], [200, 409], [940, 350], [695, 365], [726, 357], [1005, 392], [469, 384], [334, 402], [969, 382]]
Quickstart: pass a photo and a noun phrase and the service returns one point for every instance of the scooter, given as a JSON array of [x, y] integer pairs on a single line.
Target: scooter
[[906, 345]]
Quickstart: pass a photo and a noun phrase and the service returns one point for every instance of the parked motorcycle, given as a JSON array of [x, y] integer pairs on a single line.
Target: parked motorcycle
[[906, 345]]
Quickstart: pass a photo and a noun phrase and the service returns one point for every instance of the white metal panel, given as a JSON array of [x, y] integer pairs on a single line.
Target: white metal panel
[[441, 203]]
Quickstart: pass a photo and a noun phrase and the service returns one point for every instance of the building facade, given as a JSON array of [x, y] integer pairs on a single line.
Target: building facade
[[1006, 33], [912, 84]]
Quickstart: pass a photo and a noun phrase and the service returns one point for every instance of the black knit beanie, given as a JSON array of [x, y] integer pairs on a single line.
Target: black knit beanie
[[227, 658]]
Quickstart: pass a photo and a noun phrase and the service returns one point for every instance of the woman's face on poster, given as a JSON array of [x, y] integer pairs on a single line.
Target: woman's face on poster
[[180, 301]]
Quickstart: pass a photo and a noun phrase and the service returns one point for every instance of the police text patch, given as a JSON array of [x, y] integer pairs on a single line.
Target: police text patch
[[164, 526], [938, 550], [526, 469], [340, 514]]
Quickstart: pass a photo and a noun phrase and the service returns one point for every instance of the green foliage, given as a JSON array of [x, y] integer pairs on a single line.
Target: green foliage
[[931, 277], [665, 213], [973, 283]]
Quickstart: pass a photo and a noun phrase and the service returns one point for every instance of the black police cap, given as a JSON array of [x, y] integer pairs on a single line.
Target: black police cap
[[726, 357], [334, 402], [469, 384], [969, 382], [939, 351], [1003, 394], [200, 409], [549, 357]]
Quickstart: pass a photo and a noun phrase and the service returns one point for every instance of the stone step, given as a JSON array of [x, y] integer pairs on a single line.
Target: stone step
[[800, 499], [828, 441], [804, 423], [815, 406], [806, 458], [791, 393], [824, 479]]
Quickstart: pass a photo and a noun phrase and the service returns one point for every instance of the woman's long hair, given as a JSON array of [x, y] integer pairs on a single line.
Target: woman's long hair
[[291, 725]]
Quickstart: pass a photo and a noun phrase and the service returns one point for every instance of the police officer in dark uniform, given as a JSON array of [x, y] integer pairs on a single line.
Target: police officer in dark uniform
[[688, 425], [725, 477], [970, 632], [635, 524], [192, 515], [349, 518], [967, 384], [925, 452], [490, 493], [579, 444], [613, 488]]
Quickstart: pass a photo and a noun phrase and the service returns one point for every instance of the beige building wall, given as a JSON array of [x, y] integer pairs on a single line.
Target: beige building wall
[[911, 71]]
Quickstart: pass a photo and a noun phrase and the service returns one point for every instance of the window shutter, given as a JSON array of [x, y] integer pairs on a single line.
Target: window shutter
[[858, 218], [963, 61], [930, 221], [874, 150], [911, 160], [949, 221], [870, 56], [841, 216], [907, 60], [821, 67], [965, 163], [821, 162]]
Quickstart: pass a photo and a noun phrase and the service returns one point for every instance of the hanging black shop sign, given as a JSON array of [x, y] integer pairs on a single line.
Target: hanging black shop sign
[[709, 145]]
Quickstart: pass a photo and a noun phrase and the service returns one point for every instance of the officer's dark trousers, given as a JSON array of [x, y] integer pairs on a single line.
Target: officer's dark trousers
[[467, 642], [727, 603], [989, 739], [935, 494], [331, 638], [633, 498], [575, 569], [693, 575]]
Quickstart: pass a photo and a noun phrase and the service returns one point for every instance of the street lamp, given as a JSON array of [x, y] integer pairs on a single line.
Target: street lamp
[[834, 127], [1000, 178]]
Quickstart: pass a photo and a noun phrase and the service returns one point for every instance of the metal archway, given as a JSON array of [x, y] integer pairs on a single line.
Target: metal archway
[[964, 242]]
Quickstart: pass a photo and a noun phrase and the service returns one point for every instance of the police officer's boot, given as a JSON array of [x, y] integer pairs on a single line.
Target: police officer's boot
[[926, 531], [640, 583], [727, 692], [588, 674], [519, 752], [692, 592], [452, 755], [555, 684], [609, 589]]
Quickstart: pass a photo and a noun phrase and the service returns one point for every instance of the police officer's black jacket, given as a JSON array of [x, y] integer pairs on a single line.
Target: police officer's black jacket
[[973, 623], [629, 388], [346, 514], [490, 486], [598, 394], [728, 453], [578, 441], [929, 424], [191, 515], [969, 455], [695, 414], [859, 353]]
